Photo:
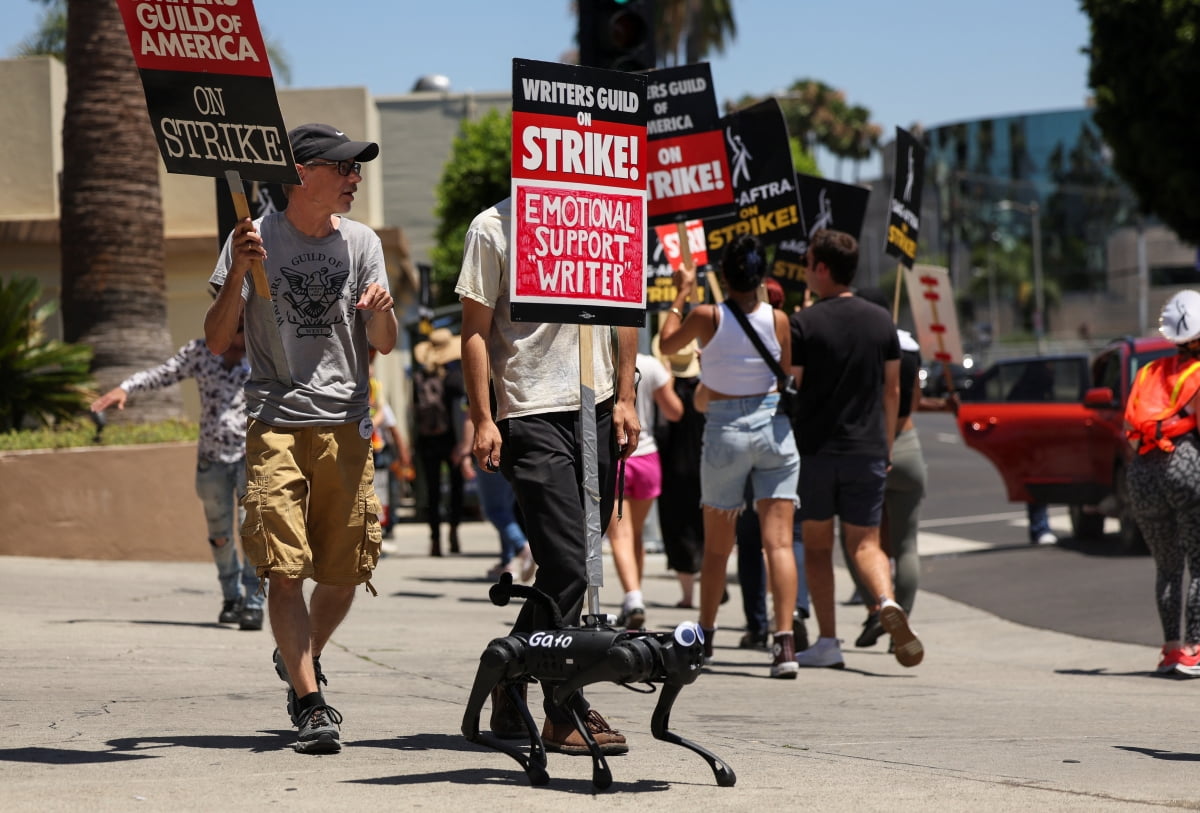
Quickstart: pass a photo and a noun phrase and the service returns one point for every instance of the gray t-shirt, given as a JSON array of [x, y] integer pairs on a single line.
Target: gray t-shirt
[[307, 345]]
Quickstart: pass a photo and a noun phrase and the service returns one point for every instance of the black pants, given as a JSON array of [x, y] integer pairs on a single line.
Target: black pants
[[432, 453], [542, 458]]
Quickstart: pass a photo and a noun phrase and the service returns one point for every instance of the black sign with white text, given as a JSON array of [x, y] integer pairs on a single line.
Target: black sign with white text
[[824, 204], [764, 182], [904, 209]]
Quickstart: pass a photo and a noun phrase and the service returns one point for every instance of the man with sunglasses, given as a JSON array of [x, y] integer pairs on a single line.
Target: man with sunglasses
[[311, 509]]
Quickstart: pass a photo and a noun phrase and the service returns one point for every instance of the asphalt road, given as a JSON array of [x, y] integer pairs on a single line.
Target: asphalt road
[[1091, 590]]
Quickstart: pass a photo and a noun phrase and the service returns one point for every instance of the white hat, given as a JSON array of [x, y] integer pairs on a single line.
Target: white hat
[[1180, 319], [684, 364], [442, 347]]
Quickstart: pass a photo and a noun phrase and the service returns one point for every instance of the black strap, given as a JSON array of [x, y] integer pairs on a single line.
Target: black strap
[[757, 341]]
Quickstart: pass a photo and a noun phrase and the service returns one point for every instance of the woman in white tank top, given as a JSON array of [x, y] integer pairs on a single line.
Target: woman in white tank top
[[743, 437]]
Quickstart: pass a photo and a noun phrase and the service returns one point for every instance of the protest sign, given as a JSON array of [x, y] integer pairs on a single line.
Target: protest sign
[[688, 168], [764, 182], [578, 241], [665, 255], [668, 237], [824, 204], [208, 88], [904, 209], [932, 302]]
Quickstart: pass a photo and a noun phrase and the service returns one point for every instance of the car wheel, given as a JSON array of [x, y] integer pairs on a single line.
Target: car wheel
[[1086, 525]]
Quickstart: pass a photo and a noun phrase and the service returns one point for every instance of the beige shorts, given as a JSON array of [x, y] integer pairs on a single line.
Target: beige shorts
[[311, 509]]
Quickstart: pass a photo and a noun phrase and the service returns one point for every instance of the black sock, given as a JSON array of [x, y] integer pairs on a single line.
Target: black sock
[[309, 701]]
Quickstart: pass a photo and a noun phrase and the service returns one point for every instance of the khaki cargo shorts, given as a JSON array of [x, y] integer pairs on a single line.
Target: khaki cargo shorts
[[311, 509]]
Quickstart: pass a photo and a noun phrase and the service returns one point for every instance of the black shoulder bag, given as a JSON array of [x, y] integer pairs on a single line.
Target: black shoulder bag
[[789, 396]]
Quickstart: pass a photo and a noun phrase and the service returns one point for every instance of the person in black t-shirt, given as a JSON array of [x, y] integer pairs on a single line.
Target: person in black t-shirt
[[846, 361]]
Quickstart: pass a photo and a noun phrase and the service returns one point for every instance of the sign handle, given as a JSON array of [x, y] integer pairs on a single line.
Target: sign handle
[[242, 208], [714, 287], [896, 298], [685, 255], [594, 557]]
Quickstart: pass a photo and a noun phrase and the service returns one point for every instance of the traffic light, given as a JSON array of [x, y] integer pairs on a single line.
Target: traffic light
[[616, 34]]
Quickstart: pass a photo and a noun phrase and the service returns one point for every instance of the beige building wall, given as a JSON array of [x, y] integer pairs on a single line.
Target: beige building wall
[[418, 132]]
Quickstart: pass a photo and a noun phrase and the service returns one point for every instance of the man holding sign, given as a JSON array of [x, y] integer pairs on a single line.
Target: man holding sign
[[566, 249], [311, 509]]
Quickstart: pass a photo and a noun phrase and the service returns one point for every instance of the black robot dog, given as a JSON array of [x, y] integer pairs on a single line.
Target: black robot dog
[[569, 658]]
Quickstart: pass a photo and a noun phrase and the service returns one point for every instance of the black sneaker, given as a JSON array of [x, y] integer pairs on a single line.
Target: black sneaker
[[753, 639], [872, 631], [708, 644], [800, 632], [281, 670], [231, 611], [319, 732], [250, 619]]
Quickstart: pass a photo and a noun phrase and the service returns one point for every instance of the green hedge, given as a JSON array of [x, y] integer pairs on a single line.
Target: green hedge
[[83, 433]]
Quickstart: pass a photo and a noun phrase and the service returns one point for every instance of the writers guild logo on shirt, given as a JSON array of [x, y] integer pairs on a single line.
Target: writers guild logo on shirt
[[311, 297]]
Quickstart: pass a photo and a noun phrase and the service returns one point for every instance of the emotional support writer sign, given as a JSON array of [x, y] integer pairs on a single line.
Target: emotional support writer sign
[[579, 195]]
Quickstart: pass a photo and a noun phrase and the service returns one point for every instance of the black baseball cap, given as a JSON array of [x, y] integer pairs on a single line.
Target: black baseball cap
[[311, 141]]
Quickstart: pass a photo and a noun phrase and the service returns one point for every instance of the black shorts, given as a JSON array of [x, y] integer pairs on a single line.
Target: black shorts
[[847, 486]]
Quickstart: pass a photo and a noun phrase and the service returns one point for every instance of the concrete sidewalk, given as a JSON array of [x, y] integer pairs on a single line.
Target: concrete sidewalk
[[120, 693]]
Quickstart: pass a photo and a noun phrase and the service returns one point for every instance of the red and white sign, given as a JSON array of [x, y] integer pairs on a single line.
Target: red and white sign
[[688, 174], [578, 242], [216, 37], [668, 237], [208, 86], [932, 302]]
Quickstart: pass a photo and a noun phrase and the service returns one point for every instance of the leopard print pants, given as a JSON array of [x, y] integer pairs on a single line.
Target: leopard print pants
[[1164, 494]]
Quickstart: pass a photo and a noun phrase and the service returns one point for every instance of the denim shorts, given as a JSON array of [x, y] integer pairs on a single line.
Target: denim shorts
[[848, 486], [744, 438]]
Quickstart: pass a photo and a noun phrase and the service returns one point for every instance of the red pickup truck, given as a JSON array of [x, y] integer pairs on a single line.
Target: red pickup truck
[[1053, 427]]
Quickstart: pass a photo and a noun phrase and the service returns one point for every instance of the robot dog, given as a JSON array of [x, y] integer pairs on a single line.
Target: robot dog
[[569, 658]]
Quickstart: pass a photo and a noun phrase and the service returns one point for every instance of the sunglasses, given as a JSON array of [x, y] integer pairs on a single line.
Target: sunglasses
[[343, 167]]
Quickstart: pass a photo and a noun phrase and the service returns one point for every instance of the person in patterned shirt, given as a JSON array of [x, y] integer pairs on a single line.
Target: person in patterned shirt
[[220, 459]]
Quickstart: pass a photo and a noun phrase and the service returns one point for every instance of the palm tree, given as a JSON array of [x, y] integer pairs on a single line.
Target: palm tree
[[700, 26], [113, 281]]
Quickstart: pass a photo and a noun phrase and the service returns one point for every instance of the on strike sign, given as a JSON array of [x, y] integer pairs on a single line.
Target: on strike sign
[[208, 87], [579, 195], [688, 166]]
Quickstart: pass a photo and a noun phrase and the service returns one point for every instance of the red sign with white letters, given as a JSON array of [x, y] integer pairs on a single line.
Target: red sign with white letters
[[578, 241]]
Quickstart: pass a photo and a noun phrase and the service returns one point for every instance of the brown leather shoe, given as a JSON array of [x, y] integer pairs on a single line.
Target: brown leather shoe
[[562, 738], [506, 721]]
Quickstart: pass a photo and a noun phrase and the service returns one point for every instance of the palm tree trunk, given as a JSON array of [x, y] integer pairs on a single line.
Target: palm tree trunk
[[113, 256]]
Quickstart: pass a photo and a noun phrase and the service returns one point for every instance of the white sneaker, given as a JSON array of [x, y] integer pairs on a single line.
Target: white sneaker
[[826, 652], [906, 645], [1047, 538]]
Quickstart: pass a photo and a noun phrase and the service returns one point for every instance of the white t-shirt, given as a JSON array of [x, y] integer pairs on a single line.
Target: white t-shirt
[[654, 376], [534, 365]]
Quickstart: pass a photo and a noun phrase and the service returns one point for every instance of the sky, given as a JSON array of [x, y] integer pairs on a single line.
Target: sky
[[927, 61]]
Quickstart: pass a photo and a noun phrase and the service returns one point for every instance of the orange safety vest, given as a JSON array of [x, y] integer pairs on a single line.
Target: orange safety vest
[[1155, 411]]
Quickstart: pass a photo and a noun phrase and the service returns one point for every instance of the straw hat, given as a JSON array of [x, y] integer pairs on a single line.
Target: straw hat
[[442, 347], [684, 364]]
